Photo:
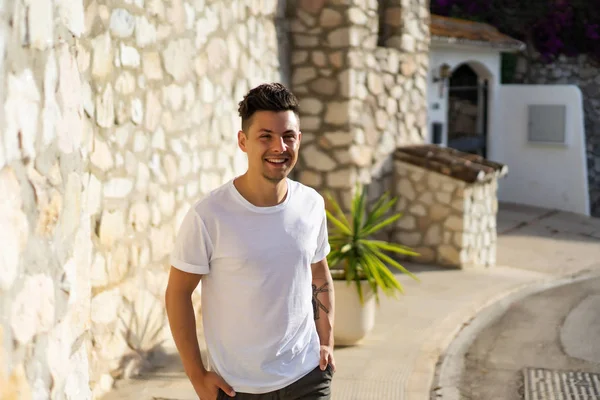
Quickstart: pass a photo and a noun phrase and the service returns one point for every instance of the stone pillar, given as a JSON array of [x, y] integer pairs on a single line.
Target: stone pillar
[[325, 38], [358, 101]]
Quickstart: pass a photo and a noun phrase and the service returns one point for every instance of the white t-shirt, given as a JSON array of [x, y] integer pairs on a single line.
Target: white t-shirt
[[256, 293]]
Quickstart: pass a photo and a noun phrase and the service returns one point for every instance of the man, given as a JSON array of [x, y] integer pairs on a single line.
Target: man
[[259, 244]]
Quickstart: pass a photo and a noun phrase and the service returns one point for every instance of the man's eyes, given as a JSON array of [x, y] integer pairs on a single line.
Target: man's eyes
[[287, 137]]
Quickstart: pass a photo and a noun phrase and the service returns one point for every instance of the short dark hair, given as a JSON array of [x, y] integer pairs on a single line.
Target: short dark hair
[[266, 97]]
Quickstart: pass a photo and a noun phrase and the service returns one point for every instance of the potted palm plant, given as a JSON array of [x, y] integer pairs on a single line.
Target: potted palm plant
[[359, 263]]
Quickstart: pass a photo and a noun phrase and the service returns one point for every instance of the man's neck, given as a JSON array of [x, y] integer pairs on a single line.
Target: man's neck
[[261, 192]]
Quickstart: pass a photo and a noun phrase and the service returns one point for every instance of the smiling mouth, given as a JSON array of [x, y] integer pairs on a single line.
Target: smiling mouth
[[277, 160]]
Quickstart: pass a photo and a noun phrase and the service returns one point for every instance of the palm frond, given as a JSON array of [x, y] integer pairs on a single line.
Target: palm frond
[[361, 257]]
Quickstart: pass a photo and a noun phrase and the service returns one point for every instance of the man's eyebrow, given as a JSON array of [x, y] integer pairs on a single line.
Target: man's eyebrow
[[270, 131]]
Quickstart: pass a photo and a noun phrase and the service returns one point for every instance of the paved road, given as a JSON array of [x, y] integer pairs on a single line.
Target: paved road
[[558, 329]]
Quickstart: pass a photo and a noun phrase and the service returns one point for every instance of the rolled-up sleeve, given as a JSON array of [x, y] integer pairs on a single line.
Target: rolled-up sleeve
[[193, 247]]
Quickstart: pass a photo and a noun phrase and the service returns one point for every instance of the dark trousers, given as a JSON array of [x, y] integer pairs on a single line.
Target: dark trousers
[[315, 385]]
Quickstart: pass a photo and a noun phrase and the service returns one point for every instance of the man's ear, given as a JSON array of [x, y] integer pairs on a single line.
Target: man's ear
[[242, 138]]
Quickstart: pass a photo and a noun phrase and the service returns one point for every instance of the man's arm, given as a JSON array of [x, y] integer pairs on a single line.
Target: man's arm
[[180, 312], [323, 305]]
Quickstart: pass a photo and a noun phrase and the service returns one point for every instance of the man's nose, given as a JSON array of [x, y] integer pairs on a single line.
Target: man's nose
[[278, 145]]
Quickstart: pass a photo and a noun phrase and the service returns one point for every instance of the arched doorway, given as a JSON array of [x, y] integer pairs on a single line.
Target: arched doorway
[[468, 111]]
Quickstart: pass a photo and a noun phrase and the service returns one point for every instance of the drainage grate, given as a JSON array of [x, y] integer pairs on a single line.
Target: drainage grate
[[546, 384]]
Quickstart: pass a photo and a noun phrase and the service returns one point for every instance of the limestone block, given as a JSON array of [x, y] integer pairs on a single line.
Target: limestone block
[[71, 15], [21, 111], [118, 188], [98, 273], [117, 263], [145, 32], [438, 212], [299, 57], [433, 235], [161, 239], [15, 230], [217, 53], [102, 63], [112, 227], [51, 112], [105, 109], [342, 178], [33, 308], [143, 177], [459, 239], [337, 113], [454, 223], [137, 111], [311, 106], [151, 65], [339, 138], [69, 127], [303, 75], [129, 56], [426, 254], [418, 210], [122, 23], [139, 216], [324, 86], [16, 386], [411, 239], [361, 156], [40, 24], [426, 198], [406, 189], [49, 213], [330, 18], [443, 197], [177, 58], [105, 307], [449, 255], [317, 160], [375, 83], [166, 202], [406, 222], [153, 114], [311, 178]]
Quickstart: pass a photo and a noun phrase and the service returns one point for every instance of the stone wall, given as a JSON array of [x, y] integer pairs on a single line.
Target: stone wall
[[45, 232], [358, 100], [585, 73], [114, 123], [445, 220], [118, 115]]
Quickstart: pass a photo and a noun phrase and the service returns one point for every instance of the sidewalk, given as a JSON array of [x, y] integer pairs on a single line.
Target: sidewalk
[[397, 360]]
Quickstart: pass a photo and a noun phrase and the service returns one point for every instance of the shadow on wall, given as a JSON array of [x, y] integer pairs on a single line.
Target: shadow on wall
[[283, 41]]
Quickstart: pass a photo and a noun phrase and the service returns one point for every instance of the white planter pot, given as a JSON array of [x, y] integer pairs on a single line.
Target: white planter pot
[[353, 320]]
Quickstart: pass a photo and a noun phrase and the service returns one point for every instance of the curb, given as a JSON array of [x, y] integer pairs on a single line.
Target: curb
[[447, 373], [443, 351]]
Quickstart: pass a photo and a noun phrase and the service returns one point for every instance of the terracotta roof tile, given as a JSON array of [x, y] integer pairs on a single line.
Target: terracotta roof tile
[[466, 167], [454, 30]]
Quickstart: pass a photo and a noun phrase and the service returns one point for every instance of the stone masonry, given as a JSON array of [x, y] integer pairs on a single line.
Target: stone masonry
[[117, 116], [114, 120], [585, 73], [358, 100], [448, 218]]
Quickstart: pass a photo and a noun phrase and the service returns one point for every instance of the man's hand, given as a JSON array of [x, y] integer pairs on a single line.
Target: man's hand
[[207, 387], [327, 358]]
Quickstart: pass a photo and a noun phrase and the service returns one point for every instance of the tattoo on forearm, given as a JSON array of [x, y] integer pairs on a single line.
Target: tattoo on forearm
[[317, 305]]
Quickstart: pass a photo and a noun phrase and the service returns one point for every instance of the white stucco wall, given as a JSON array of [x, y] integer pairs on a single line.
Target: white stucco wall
[[545, 175], [486, 62]]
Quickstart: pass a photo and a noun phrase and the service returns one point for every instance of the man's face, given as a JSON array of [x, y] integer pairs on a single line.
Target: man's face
[[272, 144]]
